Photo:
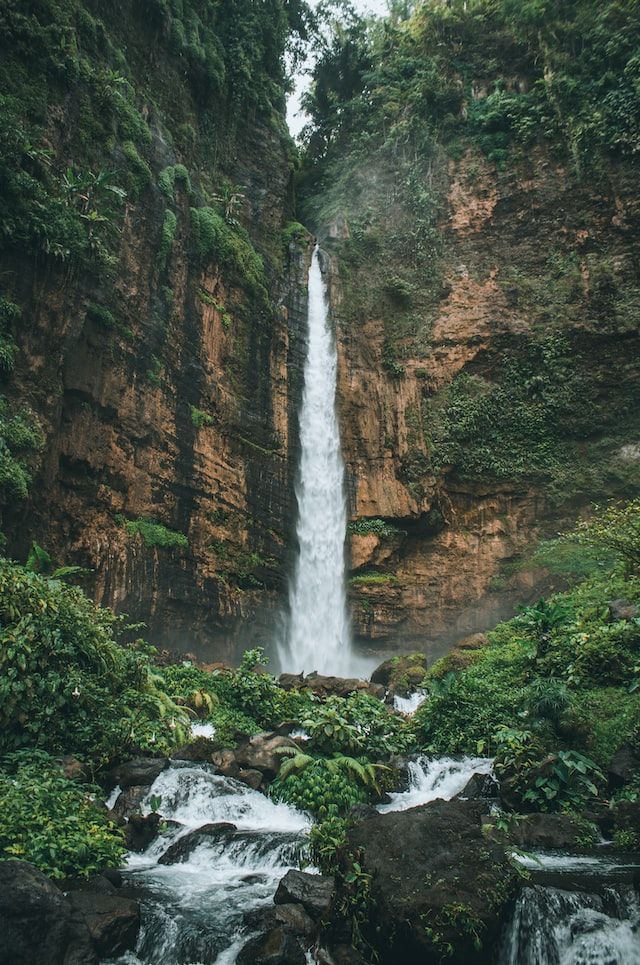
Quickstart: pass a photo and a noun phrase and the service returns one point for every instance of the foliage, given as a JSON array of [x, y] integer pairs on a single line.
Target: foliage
[[231, 248], [373, 527], [326, 787], [52, 821], [357, 723], [325, 840], [166, 239], [39, 561], [199, 418], [154, 533], [66, 685], [615, 529], [20, 437], [167, 181]]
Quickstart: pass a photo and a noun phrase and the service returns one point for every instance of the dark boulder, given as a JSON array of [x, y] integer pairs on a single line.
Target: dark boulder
[[623, 766], [434, 880], [249, 776], [180, 850], [313, 892], [323, 686], [200, 749], [141, 830], [113, 922], [545, 831], [480, 787], [622, 610], [128, 801], [276, 947], [37, 923], [140, 771], [295, 919]]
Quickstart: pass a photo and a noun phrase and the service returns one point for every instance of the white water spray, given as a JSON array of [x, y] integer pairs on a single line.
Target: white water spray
[[319, 635]]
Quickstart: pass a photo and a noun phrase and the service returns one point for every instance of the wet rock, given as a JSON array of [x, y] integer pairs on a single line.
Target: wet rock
[[261, 753], [622, 610], [141, 830], [225, 762], [250, 777], [480, 787], [323, 686], [276, 947], [544, 831], [313, 892], [291, 681], [360, 812], [295, 919], [181, 849], [37, 923], [624, 764], [114, 876], [138, 772], [201, 749], [113, 922], [401, 675], [424, 863], [129, 801]]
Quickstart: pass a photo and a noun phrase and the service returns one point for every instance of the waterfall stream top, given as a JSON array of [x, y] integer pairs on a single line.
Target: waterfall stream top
[[319, 634]]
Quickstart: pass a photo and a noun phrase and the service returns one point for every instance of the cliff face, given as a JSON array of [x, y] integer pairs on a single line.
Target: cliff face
[[161, 368], [436, 539]]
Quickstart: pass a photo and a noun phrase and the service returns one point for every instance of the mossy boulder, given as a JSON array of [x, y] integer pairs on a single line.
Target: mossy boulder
[[401, 675]]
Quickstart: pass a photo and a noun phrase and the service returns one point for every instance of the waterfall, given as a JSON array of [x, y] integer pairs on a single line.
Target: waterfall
[[440, 777], [319, 633]]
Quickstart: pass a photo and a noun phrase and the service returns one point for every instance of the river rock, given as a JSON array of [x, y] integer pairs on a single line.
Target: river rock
[[200, 749], [250, 777], [323, 686], [128, 801], [37, 923], [261, 753], [276, 947], [544, 831], [295, 919], [622, 610], [140, 771], [401, 675], [480, 787], [113, 922], [424, 865], [180, 850], [141, 830], [314, 892]]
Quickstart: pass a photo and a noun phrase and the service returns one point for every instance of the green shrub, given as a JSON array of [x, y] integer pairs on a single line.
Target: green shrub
[[66, 685], [325, 788], [200, 418], [167, 180], [141, 172], [53, 822], [20, 437], [373, 527], [155, 534], [232, 249], [169, 226]]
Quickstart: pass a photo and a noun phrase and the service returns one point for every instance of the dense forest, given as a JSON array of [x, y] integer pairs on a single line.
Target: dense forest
[[468, 170]]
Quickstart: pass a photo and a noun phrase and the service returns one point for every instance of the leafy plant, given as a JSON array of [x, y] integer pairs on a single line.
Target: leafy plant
[[154, 533], [324, 786], [52, 821]]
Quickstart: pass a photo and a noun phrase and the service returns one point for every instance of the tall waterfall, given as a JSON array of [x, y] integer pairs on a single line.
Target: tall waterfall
[[319, 634]]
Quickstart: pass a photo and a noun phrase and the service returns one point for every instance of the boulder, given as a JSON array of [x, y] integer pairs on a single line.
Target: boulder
[[314, 892], [225, 762], [295, 919], [480, 787], [141, 830], [275, 947], [180, 850], [129, 801], [261, 753], [113, 922], [250, 777], [138, 772], [545, 831], [401, 675], [200, 749], [37, 922], [622, 767], [323, 686], [622, 610], [421, 867]]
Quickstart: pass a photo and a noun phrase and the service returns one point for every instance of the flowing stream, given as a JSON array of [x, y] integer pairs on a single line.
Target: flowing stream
[[193, 910], [431, 778], [319, 636]]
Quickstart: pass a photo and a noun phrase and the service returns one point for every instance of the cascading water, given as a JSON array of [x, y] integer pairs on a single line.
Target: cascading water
[[319, 635], [194, 908], [431, 778]]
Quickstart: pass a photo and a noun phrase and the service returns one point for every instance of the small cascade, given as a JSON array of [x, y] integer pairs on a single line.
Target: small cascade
[[551, 926], [319, 636], [193, 911], [431, 778], [409, 705]]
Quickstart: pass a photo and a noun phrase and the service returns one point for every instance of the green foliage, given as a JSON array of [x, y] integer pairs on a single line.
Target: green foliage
[[358, 723], [326, 838], [66, 685], [231, 248], [373, 527], [373, 576], [20, 437], [295, 233], [140, 177], [200, 418], [154, 533], [169, 226], [100, 314], [167, 181], [53, 822], [326, 787], [616, 530]]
